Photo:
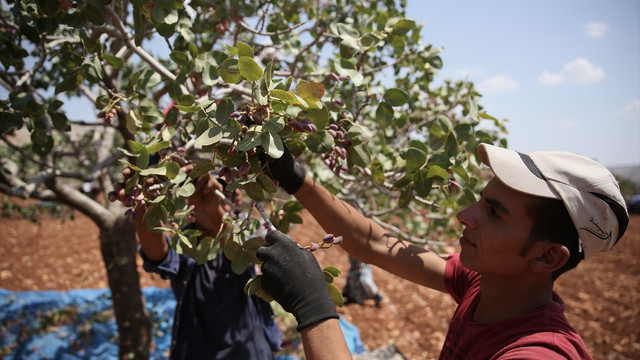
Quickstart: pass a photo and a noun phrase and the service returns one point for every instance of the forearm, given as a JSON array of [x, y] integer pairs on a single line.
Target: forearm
[[369, 242], [362, 237], [325, 341], [153, 243]]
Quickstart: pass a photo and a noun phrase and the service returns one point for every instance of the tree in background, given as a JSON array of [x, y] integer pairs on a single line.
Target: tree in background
[[346, 85]]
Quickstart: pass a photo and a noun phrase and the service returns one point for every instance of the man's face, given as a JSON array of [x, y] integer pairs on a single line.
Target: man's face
[[496, 229]]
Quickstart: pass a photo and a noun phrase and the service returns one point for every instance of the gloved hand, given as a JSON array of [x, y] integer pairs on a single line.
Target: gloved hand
[[292, 276], [289, 174]]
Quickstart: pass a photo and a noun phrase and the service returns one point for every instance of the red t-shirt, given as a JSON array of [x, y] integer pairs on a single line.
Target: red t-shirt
[[544, 333]]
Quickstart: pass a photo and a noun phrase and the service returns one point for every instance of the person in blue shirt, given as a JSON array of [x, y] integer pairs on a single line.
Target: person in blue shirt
[[214, 317]]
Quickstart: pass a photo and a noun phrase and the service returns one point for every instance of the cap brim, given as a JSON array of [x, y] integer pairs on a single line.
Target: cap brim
[[508, 166]]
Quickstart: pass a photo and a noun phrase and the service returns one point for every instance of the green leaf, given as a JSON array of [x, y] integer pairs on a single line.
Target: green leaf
[[334, 271], [396, 97], [215, 134], [461, 171], [188, 109], [377, 172], [154, 148], [403, 26], [223, 109], [289, 97], [69, 82], [419, 145], [273, 145], [139, 25], [244, 50], [253, 285], [249, 69], [9, 121], [180, 57], [229, 71], [468, 198], [186, 190], [254, 191], [180, 178], [275, 124], [143, 158], [134, 122], [406, 195], [359, 155], [347, 68], [207, 250], [252, 139], [384, 113], [162, 171], [266, 183], [451, 146], [173, 169], [48, 7], [95, 12], [328, 277], [369, 41], [415, 158], [319, 142], [210, 75], [186, 100], [437, 171], [336, 295], [423, 184], [292, 206], [113, 60], [320, 117], [484, 115], [155, 214]]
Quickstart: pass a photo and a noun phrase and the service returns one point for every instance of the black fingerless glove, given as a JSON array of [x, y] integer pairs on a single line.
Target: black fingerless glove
[[289, 174], [292, 276]]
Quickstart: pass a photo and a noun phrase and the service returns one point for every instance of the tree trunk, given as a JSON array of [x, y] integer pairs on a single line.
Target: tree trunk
[[118, 245]]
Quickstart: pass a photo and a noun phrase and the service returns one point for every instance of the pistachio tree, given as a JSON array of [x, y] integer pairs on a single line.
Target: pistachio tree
[[346, 86]]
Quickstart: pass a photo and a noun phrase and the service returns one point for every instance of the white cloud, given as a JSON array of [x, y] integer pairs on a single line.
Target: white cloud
[[498, 84], [467, 73], [578, 71], [566, 123], [595, 29], [631, 111]]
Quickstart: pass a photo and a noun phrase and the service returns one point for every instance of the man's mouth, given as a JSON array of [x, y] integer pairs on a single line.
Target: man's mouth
[[465, 242]]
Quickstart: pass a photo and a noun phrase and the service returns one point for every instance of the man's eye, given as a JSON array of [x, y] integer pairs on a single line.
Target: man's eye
[[493, 212]]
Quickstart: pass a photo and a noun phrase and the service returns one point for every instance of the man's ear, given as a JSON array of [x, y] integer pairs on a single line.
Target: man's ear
[[552, 257]]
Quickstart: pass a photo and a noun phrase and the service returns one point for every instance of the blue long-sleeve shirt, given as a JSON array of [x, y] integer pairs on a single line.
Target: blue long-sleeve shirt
[[214, 317]]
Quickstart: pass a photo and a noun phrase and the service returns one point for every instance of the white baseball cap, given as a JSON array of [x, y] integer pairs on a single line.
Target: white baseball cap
[[588, 190]]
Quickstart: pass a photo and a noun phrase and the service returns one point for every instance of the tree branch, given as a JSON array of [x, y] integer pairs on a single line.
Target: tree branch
[[145, 56]]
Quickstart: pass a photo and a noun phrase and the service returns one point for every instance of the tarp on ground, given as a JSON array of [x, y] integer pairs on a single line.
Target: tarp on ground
[[79, 325]]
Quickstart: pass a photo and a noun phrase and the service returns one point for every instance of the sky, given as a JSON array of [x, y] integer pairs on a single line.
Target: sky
[[565, 73]]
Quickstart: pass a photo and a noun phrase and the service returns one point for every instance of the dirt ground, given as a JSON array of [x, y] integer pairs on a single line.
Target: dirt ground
[[602, 295]]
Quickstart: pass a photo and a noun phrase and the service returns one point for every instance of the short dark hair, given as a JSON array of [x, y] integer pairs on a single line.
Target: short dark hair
[[551, 222]]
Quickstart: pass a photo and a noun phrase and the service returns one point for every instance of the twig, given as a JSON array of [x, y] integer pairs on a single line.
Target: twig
[[264, 216], [275, 33], [145, 56]]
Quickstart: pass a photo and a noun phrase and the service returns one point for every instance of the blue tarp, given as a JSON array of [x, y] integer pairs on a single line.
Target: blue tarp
[[78, 325]]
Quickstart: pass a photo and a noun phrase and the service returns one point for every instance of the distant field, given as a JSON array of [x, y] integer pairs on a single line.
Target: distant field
[[631, 172]]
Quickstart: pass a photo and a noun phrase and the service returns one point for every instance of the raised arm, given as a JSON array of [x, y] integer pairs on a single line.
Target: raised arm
[[208, 211], [368, 241], [363, 238]]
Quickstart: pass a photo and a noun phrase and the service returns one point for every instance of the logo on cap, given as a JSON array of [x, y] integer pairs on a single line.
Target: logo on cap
[[599, 233]]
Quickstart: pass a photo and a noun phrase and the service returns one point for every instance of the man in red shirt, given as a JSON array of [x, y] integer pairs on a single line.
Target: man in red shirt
[[539, 216]]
